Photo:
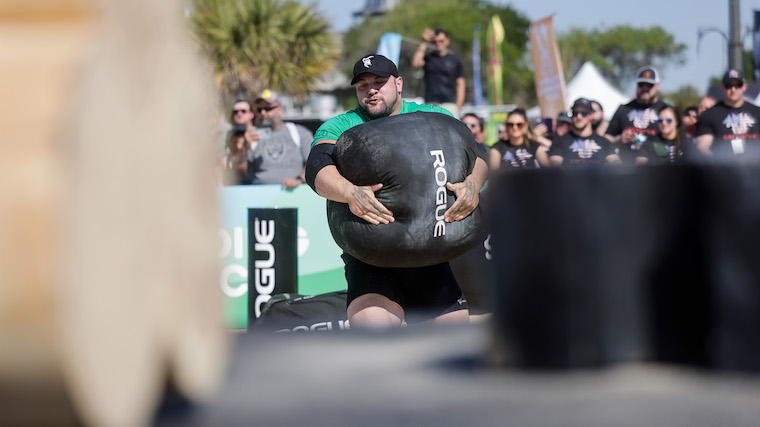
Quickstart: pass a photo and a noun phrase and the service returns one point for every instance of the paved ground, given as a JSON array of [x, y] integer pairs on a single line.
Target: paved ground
[[436, 377]]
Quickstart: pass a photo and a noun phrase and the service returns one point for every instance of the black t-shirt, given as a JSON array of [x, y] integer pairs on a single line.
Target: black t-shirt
[[581, 150], [734, 129], [441, 74], [662, 151], [642, 119], [517, 156]]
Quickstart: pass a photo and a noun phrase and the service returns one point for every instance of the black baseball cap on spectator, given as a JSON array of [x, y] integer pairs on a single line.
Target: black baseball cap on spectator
[[564, 117], [374, 64], [733, 74], [583, 103]]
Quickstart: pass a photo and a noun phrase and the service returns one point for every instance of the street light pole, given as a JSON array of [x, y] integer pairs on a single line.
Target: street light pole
[[735, 53]]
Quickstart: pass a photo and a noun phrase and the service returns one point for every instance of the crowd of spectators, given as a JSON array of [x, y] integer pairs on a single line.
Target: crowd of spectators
[[261, 148]]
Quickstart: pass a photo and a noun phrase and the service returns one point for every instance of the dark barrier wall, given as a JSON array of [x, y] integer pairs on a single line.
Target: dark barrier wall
[[600, 266]]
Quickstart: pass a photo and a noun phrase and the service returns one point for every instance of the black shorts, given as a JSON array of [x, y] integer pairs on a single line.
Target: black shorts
[[423, 292]]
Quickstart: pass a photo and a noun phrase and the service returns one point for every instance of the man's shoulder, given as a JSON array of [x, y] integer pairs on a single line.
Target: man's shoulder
[[623, 109], [347, 117], [300, 128], [754, 109], [453, 57], [565, 139], [600, 139], [346, 120], [412, 107], [334, 127]]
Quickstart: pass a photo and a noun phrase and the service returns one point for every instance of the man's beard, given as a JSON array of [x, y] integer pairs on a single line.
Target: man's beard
[[648, 101], [378, 114]]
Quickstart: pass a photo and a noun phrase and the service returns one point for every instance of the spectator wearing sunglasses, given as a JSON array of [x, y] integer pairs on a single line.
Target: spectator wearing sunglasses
[[689, 119], [280, 156], [581, 146], [666, 147], [516, 149], [635, 122], [242, 113], [730, 130], [706, 103], [598, 123], [476, 126]]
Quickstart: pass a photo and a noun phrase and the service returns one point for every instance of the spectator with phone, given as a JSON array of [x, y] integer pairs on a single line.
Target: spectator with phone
[[234, 164], [444, 74]]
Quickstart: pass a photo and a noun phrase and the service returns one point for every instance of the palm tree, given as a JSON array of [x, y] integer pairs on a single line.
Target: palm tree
[[258, 44]]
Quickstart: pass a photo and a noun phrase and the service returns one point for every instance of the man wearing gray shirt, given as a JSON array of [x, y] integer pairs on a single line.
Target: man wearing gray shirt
[[280, 156]]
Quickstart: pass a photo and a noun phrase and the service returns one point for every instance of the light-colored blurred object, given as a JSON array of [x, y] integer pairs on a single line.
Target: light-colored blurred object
[[107, 214]]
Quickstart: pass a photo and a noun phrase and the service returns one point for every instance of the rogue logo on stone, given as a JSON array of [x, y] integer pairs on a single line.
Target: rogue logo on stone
[[441, 178]]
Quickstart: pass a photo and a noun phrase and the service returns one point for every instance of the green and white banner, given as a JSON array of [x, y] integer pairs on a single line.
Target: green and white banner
[[320, 269]]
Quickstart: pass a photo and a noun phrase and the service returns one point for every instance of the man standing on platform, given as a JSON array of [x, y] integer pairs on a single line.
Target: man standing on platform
[[444, 73], [637, 121]]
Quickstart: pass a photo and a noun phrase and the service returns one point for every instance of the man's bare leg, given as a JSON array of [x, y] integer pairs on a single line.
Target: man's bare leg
[[459, 316], [374, 310]]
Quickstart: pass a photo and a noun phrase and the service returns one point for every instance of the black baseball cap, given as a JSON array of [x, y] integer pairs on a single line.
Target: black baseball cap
[[584, 103], [733, 74], [375, 64], [564, 117]]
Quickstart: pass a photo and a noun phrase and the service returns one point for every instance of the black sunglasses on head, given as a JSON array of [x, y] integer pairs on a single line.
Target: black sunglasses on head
[[239, 111]]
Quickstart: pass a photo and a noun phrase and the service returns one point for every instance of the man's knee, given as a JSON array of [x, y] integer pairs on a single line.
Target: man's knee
[[374, 310], [459, 316]]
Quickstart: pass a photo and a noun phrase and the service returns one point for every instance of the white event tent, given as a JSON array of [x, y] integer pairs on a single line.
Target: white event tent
[[589, 83]]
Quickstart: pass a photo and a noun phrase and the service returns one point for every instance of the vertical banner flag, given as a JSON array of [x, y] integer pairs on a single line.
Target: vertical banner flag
[[477, 86], [495, 35], [756, 46], [547, 66], [390, 46]]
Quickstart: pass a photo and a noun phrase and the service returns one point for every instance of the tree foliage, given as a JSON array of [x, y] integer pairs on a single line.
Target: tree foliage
[[685, 96], [258, 44], [458, 18], [619, 51]]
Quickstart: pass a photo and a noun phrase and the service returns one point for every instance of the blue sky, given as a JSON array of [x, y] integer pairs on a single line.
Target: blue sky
[[682, 18]]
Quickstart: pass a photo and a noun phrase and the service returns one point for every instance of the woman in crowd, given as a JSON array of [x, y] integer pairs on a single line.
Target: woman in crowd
[[666, 148], [518, 149], [234, 165], [689, 120]]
